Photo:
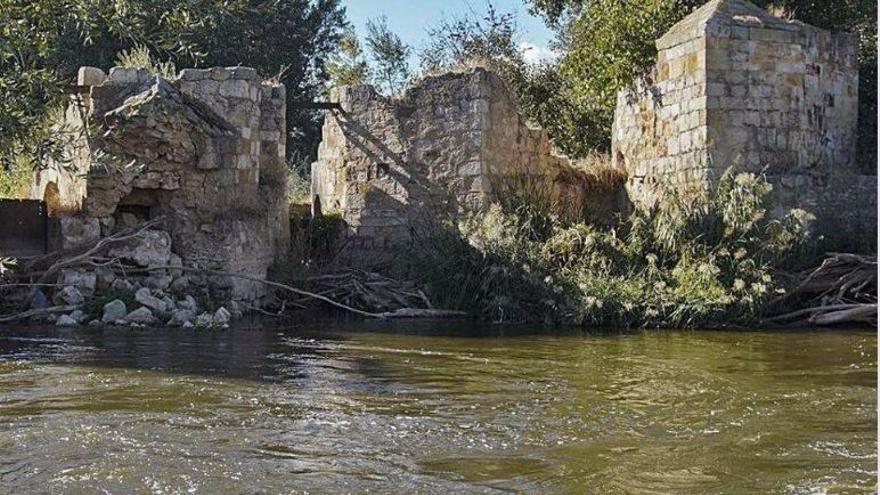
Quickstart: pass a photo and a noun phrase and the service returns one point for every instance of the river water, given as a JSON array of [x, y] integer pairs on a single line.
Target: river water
[[435, 408]]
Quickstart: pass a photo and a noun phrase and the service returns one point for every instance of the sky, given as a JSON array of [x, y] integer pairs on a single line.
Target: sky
[[410, 19]]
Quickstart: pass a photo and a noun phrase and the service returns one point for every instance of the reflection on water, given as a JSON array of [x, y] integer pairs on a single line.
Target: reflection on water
[[435, 408]]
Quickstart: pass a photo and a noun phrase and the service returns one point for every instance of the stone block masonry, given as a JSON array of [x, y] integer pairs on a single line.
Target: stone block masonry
[[451, 144], [736, 87], [205, 151]]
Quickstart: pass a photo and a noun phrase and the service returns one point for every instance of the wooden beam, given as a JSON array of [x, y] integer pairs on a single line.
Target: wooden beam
[[318, 105]]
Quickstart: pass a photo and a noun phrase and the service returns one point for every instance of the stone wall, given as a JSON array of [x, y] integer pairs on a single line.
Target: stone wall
[[393, 166], [204, 151], [736, 87]]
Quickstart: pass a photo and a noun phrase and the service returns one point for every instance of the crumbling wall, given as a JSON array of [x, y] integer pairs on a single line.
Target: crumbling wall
[[735, 87], [204, 151], [394, 166]]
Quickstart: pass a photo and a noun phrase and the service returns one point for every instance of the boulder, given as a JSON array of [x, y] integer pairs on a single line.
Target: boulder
[[175, 260], [142, 316], [221, 317], [123, 285], [66, 321], [82, 280], [187, 324], [104, 278], [79, 316], [204, 320], [68, 296], [114, 310], [181, 317], [152, 248], [158, 282], [180, 284], [188, 302], [79, 230], [144, 297], [38, 300]]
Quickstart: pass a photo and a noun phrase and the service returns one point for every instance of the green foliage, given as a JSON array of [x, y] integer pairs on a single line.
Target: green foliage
[[460, 41], [15, 180], [314, 243], [606, 44], [347, 65], [389, 54], [44, 42], [694, 260], [139, 57]]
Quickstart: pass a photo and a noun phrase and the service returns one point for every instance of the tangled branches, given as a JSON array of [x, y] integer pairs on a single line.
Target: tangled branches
[[843, 289]]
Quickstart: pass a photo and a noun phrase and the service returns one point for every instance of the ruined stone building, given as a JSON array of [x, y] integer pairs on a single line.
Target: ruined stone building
[[735, 86], [451, 143], [204, 151]]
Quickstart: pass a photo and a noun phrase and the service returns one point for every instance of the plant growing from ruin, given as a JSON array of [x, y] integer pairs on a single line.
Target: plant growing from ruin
[[389, 54], [44, 42], [139, 57], [606, 44], [347, 65]]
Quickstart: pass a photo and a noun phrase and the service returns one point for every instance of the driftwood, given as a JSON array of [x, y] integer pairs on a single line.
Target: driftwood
[[362, 293], [842, 289], [36, 312], [400, 312]]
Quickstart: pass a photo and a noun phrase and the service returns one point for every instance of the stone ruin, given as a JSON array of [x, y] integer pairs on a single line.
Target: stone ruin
[[451, 143], [736, 87], [204, 152]]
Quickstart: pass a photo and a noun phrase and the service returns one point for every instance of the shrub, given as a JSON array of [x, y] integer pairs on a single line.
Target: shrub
[[705, 259]]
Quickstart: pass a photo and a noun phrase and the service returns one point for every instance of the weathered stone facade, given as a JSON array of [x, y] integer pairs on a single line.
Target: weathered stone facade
[[204, 151], [392, 165], [737, 88]]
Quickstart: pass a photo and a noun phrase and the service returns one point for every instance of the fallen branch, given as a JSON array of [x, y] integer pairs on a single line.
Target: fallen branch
[[36, 312], [423, 313], [278, 285], [863, 313], [116, 238]]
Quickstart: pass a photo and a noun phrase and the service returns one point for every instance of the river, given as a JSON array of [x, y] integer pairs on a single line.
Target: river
[[435, 408]]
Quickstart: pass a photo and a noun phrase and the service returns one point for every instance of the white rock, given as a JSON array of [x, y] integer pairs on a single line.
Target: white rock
[[204, 320], [113, 311], [188, 302], [221, 316], [140, 315], [153, 248], [68, 296], [79, 316], [181, 317], [158, 282], [84, 281], [144, 297], [66, 321], [187, 324]]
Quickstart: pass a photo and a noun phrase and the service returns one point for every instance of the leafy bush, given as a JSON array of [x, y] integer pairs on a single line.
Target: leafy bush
[[606, 44], [694, 260]]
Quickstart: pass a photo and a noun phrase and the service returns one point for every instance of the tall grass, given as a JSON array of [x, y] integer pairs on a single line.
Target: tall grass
[[694, 260]]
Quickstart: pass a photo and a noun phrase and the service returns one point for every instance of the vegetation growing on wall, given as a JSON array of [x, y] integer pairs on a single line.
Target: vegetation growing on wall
[[44, 42], [605, 44]]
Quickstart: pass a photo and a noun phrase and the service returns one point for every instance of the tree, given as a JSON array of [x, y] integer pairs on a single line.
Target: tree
[[606, 44], [489, 40], [390, 55], [43, 42], [347, 65]]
